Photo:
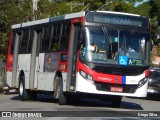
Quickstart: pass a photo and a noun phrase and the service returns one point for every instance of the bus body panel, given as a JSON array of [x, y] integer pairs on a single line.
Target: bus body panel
[[64, 77], [33, 65], [41, 62], [48, 66], [9, 78], [24, 65], [45, 81], [46, 63], [40, 75], [15, 61], [85, 86], [36, 74]]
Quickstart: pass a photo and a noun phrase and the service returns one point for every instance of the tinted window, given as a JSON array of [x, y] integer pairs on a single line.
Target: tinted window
[[24, 41], [55, 37], [46, 38], [13, 42], [30, 41], [65, 36]]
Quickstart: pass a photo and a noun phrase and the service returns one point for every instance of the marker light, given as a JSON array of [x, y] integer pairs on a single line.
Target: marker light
[[86, 76]]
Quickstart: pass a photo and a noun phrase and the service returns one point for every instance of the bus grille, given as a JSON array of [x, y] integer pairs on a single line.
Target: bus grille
[[123, 71], [107, 87]]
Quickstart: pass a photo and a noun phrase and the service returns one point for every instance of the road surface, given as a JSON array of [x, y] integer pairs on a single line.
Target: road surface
[[48, 107]]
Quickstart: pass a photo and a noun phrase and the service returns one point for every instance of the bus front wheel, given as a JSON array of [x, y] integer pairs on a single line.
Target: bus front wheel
[[58, 91]]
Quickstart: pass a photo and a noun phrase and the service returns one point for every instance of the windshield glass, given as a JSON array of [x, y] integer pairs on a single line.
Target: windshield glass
[[114, 46]]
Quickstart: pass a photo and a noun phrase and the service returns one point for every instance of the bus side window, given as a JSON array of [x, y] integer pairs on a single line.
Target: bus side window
[[13, 42], [46, 38], [24, 41], [30, 41], [65, 36], [55, 37]]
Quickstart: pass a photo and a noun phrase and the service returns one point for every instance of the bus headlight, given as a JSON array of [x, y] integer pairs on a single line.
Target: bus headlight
[[86, 76], [142, 82]]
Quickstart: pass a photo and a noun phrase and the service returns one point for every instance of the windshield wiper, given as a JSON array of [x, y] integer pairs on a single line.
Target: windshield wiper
[[106, 35], [124, 43]]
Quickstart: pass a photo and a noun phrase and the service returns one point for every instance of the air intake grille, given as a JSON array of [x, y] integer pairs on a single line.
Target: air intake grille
[[123, 71]]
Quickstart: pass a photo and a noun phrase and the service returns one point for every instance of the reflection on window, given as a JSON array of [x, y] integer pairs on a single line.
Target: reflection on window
[[46, 38], [24, 41], [65, 36], [106, 45], [60, 37], [55, 37], [30, 42]]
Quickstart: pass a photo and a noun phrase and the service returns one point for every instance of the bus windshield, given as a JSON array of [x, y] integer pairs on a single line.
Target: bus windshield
[[108, 45]]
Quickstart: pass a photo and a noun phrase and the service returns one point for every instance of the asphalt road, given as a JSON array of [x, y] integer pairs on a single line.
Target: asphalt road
[[147, 108]]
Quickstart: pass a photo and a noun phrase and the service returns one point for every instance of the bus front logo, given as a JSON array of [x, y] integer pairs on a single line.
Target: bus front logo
[[105, 79], [117, 80]]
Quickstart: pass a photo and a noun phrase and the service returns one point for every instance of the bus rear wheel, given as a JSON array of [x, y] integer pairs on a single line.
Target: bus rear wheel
[[23, 93], [58, 91]]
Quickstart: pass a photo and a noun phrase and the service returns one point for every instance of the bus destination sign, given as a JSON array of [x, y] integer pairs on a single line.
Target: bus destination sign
[[118, 19]]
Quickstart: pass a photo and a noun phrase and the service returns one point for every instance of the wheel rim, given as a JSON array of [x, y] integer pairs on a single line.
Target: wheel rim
[[57, 88], [21, 88]]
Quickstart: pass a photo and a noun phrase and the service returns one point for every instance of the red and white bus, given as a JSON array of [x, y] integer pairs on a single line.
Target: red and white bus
[[91, 53]]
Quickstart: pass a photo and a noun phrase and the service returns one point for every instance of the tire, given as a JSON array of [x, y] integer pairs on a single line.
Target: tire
[[58, 91], [116, 102], [23, 93]]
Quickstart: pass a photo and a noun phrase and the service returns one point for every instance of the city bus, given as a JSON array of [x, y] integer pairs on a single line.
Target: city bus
[[100, 54]]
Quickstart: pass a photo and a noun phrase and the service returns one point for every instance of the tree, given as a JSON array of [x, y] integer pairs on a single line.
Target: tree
[[44, 9], [143, 9], [155, 20], [5, 8], [18, 11], [11, 13]]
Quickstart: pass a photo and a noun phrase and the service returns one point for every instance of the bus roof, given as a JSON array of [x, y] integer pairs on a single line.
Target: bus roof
[[64, 17], [47, 20], [120, 13]]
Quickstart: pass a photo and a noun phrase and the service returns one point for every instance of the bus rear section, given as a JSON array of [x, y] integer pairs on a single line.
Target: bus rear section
[[9, 63], [102, 54]]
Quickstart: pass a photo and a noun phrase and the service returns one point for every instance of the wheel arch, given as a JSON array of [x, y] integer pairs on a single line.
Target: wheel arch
[[21, 73], [59, 74]]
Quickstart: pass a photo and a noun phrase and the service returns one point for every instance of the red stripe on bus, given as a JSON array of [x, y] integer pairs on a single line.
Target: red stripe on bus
[[100, 77]]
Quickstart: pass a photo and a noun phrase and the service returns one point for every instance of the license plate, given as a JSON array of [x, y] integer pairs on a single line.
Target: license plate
[[116, 89]]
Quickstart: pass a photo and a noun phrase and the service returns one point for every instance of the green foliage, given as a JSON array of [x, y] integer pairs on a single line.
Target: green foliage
[[17, 11], [155, 19], [44, 9], [143, 9], [120, 6]]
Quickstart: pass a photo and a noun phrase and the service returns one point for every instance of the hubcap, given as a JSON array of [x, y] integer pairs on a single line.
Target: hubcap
[[57, 88], [21, 88]]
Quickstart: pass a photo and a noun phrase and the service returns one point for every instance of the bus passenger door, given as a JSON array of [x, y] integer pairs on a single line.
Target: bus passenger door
[[72, 56], [35, 68]]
